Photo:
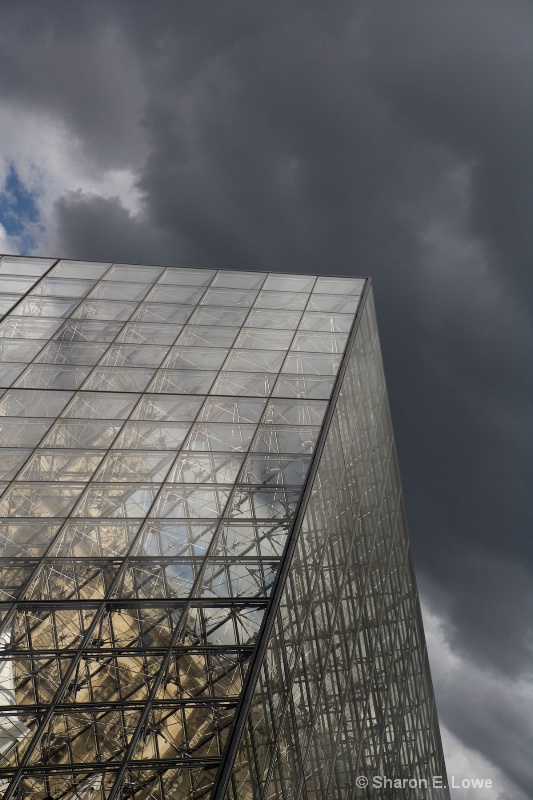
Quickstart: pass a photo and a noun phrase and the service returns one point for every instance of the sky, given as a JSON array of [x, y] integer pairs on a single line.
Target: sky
[[387, 139]]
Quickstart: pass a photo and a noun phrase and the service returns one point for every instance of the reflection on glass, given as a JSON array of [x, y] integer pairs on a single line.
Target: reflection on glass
[[18, 265]]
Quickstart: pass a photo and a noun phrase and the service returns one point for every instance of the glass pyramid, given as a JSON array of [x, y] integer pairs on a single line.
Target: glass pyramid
[[205, 583]]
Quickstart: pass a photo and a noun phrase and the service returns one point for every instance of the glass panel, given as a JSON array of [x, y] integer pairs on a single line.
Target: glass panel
[[311, 364], [312, 321], [105, 309], [158, 581], [261, 339], [217, 316], [9, 373], [80, 269], [295, 412], [184, 538], [91, 405], [111, 500], [133, 273], [146, 333], [11, 460], [7, 301], [276, 470], [206, 468], [195, 358], [277, 320], [187, 277], [259, 502], [190, 501], [239, 580], [14, 285], [289, 283], [22, 328], [340, 285], [120, 355], [220, 437], [217, 409], [109, 290], [300, 386], [95, 539], [62, 287], [135, 466], [21, 432], [45, 307], [254, 360], [229, 297], [160, 312], [60, 628], [13, 580], [67, 353], [251, 538], [207, 336], [174, 294], [289, 300], [285, 439], [193, 668], [320, 342], [185, 783], [20, 350], [51, 376], [19, 538], [178, 408], [56, 465], [331, 302], [75, 581], [88, 330], [82, 433], [26, 403], [239, 280], [244, 384], [152, 435], [39, 500], [181, 381], [14, 265], [111, 379]]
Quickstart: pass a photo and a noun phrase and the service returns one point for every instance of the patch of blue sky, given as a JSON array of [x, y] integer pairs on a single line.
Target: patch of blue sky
[[19, 211]]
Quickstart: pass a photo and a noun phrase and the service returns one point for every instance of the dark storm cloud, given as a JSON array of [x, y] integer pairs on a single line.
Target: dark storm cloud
[[391, 140], [73, 64], [465, 80]]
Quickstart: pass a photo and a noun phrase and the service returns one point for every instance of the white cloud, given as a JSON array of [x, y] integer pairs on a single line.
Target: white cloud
[[7, 243], [463, 763], [471, 700], [50, 162]]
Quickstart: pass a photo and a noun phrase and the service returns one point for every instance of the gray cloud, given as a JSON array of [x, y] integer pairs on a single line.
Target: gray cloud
[[382, 140], [75, 65]]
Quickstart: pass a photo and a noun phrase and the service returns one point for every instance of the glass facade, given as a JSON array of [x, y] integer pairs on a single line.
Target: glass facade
[[205, 584]]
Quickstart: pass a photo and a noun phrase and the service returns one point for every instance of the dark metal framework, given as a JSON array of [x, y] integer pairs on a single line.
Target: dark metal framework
[[171, 439]]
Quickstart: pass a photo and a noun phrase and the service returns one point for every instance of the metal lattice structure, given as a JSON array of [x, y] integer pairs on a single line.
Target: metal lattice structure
[[205, 582]]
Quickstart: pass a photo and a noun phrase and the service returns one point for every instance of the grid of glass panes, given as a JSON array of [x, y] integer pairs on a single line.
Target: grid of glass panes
[[344, 688], [18, 276], [156, 426]]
